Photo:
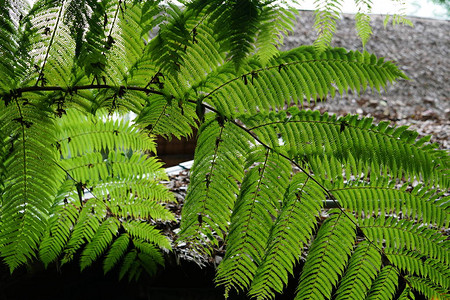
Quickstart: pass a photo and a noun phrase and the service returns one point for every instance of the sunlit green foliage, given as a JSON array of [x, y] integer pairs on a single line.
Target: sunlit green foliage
[[77, 181]]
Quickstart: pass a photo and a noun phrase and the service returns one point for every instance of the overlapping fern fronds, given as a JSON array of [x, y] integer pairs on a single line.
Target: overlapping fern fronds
[[77, 182], [366, 169], [111, 187]]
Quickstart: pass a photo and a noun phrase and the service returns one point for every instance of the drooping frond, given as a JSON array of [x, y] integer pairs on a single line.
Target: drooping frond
[[116, 252], [295, 75], [407, 294], [52, 56], [326, 14], [400, 16], [362, 269], [384, 285], [327, 257], [66, 211], [173, 38], [216, 174], [255, 209], [240, 28], [79, 186], [362, 19], [31, 180], [276, 22], [290, 232], [158, 115], [75, 138], [100, 241]]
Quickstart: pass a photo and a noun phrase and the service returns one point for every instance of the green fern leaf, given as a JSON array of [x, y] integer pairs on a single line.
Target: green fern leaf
[[415, 264], [173, 37], [31, 181], [361, 270], [352, 146], [407, 294], [292, 229], [129, 264], [84, 230], [256, 207], [327, 257], [115, 252], [293, 75], [275, 23], [100, 241], [65, 213], [218, 169], [403, 234], [326, 14], [14, 44], [427, 289], [158, 115], [384, 285], [419, 204], [147, 233], [84, 134], [363, 27]]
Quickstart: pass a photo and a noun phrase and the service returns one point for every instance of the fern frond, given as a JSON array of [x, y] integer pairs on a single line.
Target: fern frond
[[361, 270], [294, 75], [172, 39], [407, 294], [115, 252], [275, 22], [91, 168], [84, 134], [52, 56], [148, 190], [127, 45], [291, 231], [327, 257], [376, 197], [139, 199], [84, 230], [326, 14], [147, 233], [96, 41], [331, 147], [100, 241], [217, 171], [149, 256], [403, 234], [158, 115], [257, 206], [65, 212], [384, 285], [362, 19], [31, 180], [400, 16], [417, 265], [14, 43], [108, 157], [129, 265], [428, 289]]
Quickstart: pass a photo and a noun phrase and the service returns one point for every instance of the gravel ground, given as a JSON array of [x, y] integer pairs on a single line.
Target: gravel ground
[[422, 52]]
